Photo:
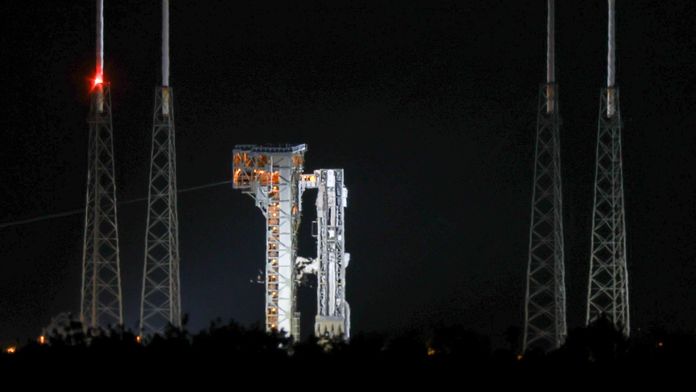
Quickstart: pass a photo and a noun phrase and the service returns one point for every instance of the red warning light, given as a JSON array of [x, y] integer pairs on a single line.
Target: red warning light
[[99, 79]]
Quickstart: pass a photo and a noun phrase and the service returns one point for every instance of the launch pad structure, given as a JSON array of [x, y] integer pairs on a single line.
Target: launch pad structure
[[101, 298], [608, 289], [545, 299], [272, 176], [160, 300]]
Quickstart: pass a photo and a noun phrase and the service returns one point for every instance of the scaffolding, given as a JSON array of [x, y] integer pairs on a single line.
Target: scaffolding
[[270, 175]]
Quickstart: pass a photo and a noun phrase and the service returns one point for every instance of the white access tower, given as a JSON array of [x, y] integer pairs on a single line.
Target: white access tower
[[271, 175]]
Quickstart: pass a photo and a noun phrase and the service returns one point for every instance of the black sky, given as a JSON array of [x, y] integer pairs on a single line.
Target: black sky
[[430, 108]]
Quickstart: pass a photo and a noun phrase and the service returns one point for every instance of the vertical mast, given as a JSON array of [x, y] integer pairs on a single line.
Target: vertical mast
[[100, 42], [607, 294], [551, 43], [165, 43], [160, 305], [545, 305], [101, 299], [611, 48], [611, 59], [551, 57]]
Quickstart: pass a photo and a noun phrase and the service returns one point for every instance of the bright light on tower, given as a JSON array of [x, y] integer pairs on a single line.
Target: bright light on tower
[[98, 79]]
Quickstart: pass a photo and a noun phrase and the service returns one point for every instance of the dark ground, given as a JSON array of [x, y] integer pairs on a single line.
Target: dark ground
[[231, 353]]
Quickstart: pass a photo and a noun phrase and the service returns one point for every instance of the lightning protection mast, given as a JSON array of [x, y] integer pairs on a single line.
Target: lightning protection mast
[[100, 303], [545, 300], [160, 305], [607, 294]]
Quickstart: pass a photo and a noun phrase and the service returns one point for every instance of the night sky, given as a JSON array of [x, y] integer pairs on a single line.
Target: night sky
[[430, 107]]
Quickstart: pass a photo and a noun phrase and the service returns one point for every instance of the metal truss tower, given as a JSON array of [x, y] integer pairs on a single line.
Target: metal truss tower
[[608, 281], [160, 304], [100, 303], [545, 301], [270, 175]]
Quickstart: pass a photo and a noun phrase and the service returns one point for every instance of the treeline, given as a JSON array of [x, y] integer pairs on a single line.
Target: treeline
[[232, 350]]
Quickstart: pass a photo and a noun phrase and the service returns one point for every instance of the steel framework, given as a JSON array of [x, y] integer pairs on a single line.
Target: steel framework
[[608, 284], [607, 293], [101, 304], [545, 300], [161, 300], [545, 310], [270, 175]]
